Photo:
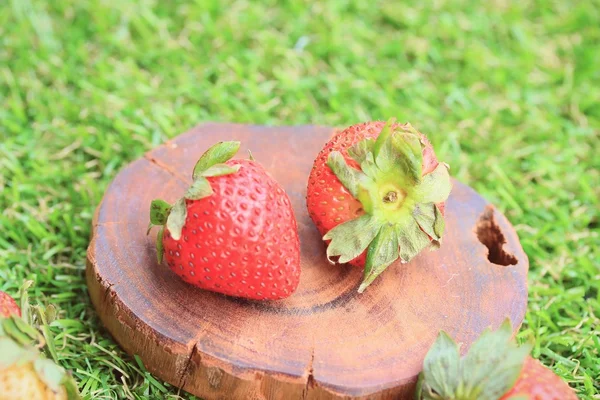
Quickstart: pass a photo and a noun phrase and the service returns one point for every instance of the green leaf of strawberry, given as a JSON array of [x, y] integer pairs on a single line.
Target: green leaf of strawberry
[[360, 150], [159, 212], [176, 218], [220, 170], [345, 243], [50, 373], [383, 251], [160, 251], [217, 154], [490, 368], [350, 177], [441, 366], [430, 220], [199, 189], [434, 187]]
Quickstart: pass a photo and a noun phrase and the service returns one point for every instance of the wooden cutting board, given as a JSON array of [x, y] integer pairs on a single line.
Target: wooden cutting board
[[326, 341]]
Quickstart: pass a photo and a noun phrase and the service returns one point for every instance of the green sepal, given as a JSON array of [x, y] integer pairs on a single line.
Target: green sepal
[[14, 354], [160, 250], [493, 363], [56, 378], [51, 374], [490, 368], [368, 166], [176, 219], [440, 224], [221, 169], [398, 151], [412, 240], [359, 151], [350, 239], [199, 189], [419, 389], [382, 251], [250, 156], [348, 176], [159, 212], [441, 368], [18, 330], [430, 220], [434, 187], [383, 138], [217, 154], [409, 155]]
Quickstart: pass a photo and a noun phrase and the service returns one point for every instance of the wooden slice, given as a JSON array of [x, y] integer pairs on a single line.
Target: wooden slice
[[326, 341]]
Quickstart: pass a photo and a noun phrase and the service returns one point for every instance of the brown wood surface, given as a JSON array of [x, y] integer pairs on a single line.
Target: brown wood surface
[[326, 341]]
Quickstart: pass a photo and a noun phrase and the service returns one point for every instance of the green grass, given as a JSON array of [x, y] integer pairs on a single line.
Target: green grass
[[509, 92]]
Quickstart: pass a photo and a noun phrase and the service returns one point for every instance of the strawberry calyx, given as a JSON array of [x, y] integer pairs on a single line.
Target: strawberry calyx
[[400, 217], [172, 216], [489, 369]]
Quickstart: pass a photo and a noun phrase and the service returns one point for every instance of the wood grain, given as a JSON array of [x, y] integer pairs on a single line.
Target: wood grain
[[324, 342]]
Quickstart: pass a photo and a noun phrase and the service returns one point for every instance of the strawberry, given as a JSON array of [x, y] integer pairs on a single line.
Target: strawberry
[[376, 193], [494, 368], [233, 232], [537, 382], [25, 373], [8, 306]]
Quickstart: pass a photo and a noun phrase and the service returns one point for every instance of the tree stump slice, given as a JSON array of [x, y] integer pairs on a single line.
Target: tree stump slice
[[326, 341]]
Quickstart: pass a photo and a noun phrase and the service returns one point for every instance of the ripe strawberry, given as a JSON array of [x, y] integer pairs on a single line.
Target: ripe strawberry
[[8, 306], [376, 192], [233, 232], [537, 382], [24, 371], [494, 368]]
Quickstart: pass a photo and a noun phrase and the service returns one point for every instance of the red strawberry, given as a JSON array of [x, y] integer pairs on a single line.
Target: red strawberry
[[376, 192], [494, 368], [233, 232], [537, 382], [8, 306]]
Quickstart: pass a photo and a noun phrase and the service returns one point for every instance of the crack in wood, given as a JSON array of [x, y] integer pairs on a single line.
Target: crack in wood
[[167, 168], [107, 223], [107, 291], [310, 379], [184, 374]]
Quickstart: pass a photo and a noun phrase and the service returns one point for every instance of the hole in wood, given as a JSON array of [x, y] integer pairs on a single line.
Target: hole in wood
[[489, 233]]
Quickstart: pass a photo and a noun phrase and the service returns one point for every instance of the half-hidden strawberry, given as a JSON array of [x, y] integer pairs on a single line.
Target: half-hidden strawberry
[[8, 306], [25, 372], [233, 231], [376, 193], [494, 368]]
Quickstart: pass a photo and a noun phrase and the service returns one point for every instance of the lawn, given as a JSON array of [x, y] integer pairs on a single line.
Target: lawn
[[508, 91]]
